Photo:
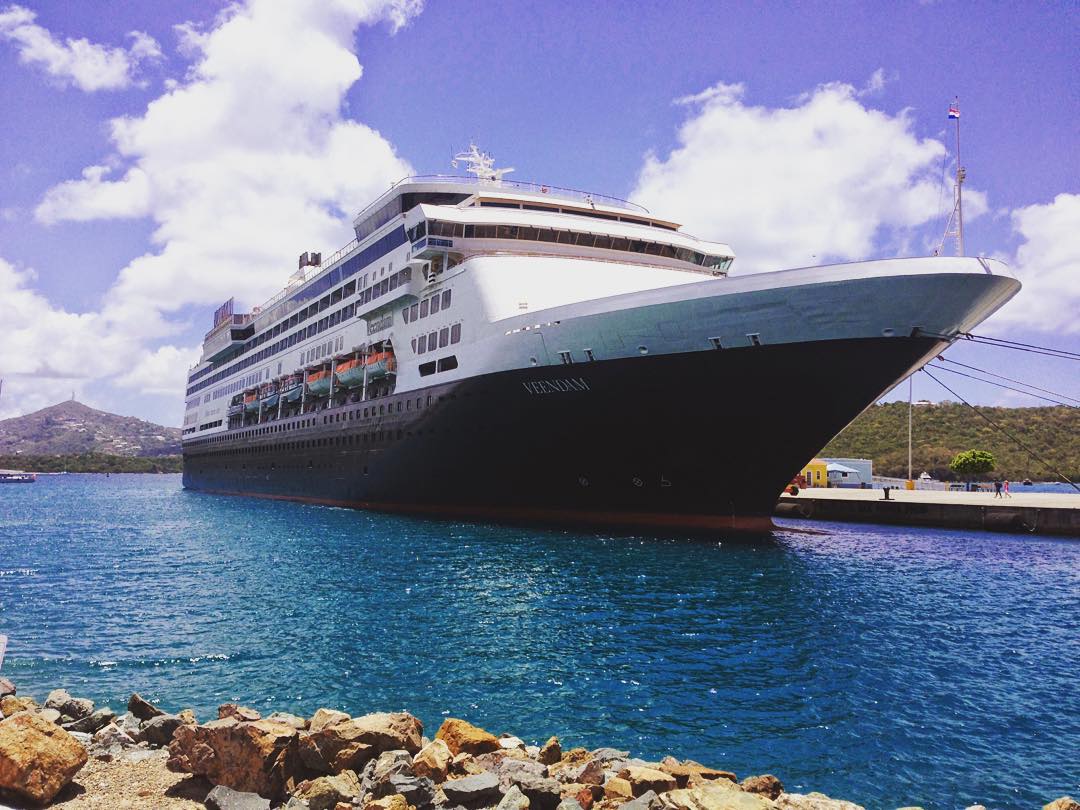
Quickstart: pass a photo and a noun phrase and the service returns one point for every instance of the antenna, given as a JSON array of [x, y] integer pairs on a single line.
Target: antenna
[[481, 164], [954, 227]]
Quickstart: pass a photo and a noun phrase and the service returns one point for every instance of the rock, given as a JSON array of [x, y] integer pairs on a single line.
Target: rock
[[591, 773], [550, 752], [618, 788], [12, 705], [509, 770], [813, 801], [588, 794], [257, 757], [418, 791], [766, 785], [514, 799], [350, 743], [646, 801], [225, 798], [544, 793], [37, 758], [509, 742], [569, 804], [128, 722], [158, 731], [112, 735], [433, 761], [465, 765], [684, 771], [481, 789], [6, 688], [84, 739], [324, 792], [1064, 803], [642, 780], [141, 708], [465, 738], [326, 717], [49, 716], [75, 708], [297, 722], [379, 771], [93, 722], [242, 713], [187, 717], [608, 754], [394, 802], [716, 795]]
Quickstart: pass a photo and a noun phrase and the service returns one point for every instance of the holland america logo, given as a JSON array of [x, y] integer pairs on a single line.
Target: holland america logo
[[560, 386]]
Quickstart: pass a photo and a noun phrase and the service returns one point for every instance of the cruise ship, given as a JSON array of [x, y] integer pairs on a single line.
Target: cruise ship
[[515, 352]]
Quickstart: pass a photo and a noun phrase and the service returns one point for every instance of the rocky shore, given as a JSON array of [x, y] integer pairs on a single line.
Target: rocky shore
[[70, 754]]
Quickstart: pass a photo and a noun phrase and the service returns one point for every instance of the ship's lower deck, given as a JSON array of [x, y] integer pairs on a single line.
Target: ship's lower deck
[[695, 441]]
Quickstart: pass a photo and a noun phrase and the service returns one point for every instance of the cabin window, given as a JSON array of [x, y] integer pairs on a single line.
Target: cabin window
[[589, 355], [414, 312], [455, 333], [566, 237], [444, 337], [427, 369], [424, 306], [413, 342], [446, 299], [434, 304], [421, 346], [603, 241], [405, 315], [546, 235], [431, 338], [448, 363]]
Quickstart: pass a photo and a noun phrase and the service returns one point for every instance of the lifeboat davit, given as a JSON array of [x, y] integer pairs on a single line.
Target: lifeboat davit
[[269, 395], [291, 389]]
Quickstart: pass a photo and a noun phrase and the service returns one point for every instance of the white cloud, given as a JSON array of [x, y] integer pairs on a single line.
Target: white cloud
[[85, 64], [1048, 265], [242, 163], [825, 179]]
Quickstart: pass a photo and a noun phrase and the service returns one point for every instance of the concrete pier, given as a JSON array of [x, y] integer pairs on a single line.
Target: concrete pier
[[1024, 512]]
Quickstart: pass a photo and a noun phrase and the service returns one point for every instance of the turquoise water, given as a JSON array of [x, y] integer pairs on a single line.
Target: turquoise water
[[886, 665]]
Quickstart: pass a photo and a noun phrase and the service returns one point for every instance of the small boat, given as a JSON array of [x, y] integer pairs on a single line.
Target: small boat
[[269, 396], [251, 401], [291, 388], [1027, 482], [236, 406], [318, 383], [17, 477], [379, 364], [350, 373]]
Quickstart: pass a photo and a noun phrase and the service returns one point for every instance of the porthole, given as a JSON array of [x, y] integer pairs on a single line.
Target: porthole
[[643, 350]]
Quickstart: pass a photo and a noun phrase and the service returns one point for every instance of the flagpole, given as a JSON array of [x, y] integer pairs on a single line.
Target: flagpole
[[959, 187]]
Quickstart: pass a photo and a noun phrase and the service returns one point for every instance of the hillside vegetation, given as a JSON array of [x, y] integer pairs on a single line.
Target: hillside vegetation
[[93, 462], [70, 428], [941, 431]]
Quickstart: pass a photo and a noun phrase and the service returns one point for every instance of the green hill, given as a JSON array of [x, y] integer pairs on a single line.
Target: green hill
[[943, 430]]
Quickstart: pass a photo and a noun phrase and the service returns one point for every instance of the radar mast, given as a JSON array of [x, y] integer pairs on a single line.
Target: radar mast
[[481, 164]]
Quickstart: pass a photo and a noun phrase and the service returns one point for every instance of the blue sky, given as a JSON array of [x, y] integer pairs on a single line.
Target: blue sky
[[252, 134]]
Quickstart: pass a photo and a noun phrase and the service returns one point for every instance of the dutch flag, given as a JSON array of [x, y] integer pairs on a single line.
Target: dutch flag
[[954, 111]]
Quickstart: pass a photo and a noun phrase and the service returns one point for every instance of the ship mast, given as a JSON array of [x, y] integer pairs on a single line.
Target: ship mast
[[954, 228], [481, 164]]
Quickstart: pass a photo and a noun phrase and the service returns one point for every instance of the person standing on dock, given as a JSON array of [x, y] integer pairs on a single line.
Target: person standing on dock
[[1005, 487], [997, 489]]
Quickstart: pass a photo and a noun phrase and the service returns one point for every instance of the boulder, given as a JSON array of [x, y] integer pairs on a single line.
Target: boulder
[[514, 799], [75, 708], [618, 788], [324, 792], [569, 804], [37, 758], [550, 752], [685, 771], [187, 716], [646, 801], [6, 688], [643, 780], [462, 737], [591, 773], [465, 765], [297, 722], [326, 717], [129, 723], [350, 743], [93, 722], [587, 795], [1064, 803], [112, 735], [418, 791], [141, 708], [544, 793], [394, 802], [813, 801], [608, 754], [11, 705], [242, 713], [716, 795], [377, 773], [158, 731], [258, 757], [84, 739], [508, 742], [767, 785], [225, 798], [49, 715], [433, 761], [481, 789], [509, 770]]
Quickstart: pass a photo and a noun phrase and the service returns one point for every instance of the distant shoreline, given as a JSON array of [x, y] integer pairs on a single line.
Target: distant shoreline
[[92, 463]]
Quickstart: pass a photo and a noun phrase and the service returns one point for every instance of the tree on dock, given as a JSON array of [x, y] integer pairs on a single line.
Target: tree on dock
[[972, 462]]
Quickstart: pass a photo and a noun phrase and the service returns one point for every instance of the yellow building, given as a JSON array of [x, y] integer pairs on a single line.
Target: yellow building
[[816, 473]]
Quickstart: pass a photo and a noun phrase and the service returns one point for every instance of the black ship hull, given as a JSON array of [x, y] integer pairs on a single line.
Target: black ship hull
[[690, 442]]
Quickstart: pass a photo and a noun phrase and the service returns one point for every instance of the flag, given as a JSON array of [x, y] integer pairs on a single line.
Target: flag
[[954, 111]]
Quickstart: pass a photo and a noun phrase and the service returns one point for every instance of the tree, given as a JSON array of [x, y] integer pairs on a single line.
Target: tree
[[972, 462]]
